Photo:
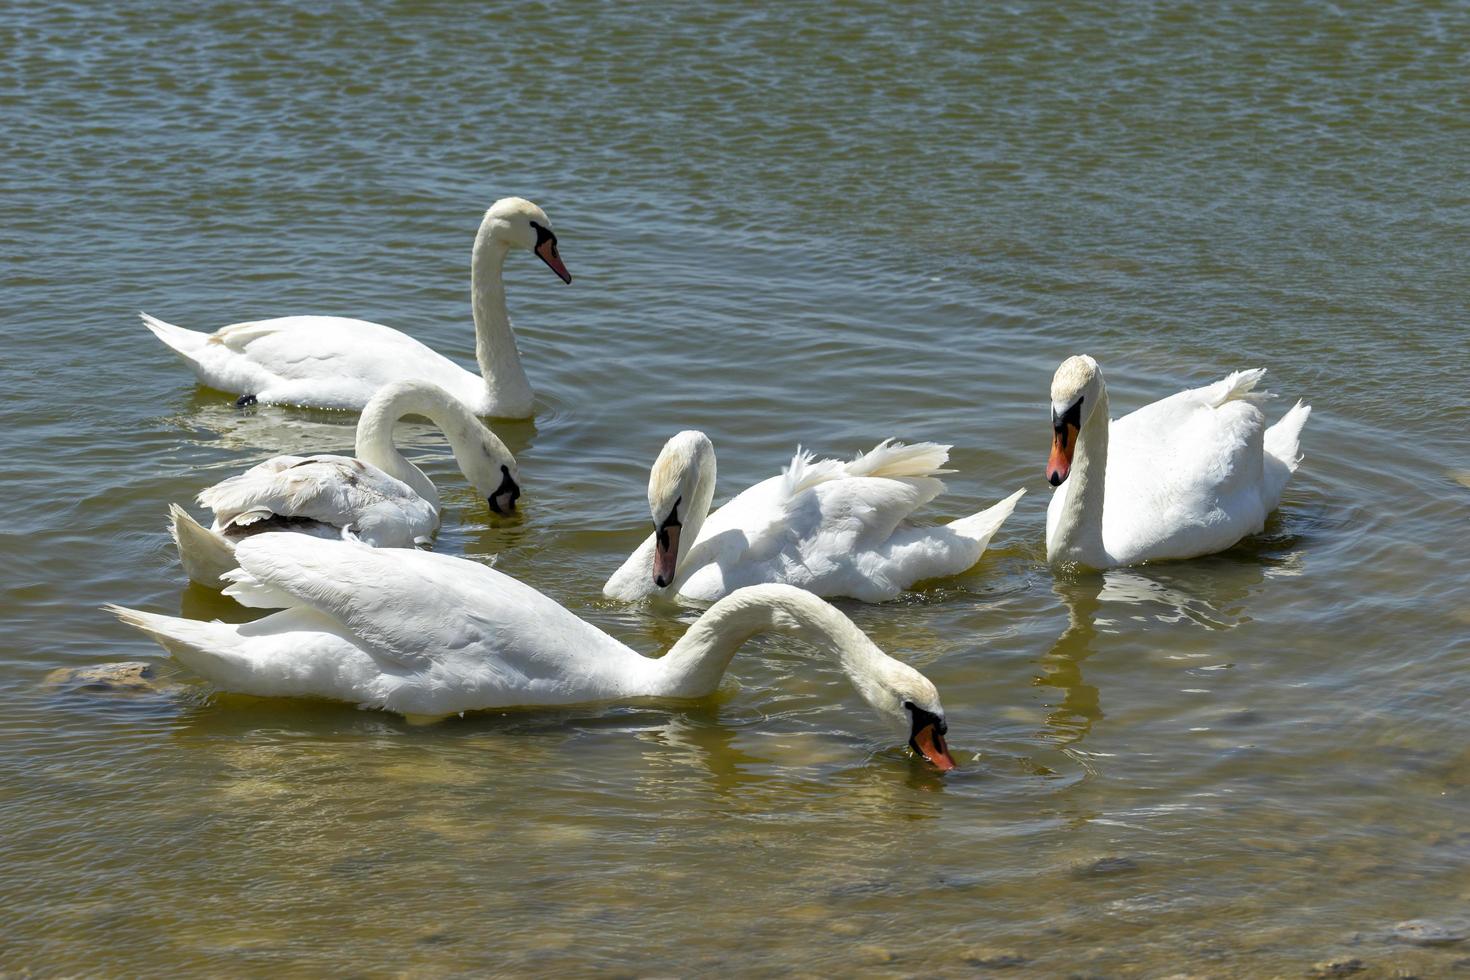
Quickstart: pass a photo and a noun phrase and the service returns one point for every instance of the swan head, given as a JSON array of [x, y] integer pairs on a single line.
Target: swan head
[[518, 222], [910, 701], [680, 487], [490, 466], [1074, 394]]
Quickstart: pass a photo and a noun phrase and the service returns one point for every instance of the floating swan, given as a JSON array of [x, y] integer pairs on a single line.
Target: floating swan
[[432, 635], [387, 500], [831, 527], [1188, 475], [336, 362]]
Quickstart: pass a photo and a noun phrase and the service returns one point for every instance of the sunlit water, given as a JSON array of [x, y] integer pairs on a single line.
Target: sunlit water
[[820, 226]]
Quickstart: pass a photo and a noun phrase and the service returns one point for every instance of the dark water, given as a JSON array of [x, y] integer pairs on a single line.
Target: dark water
[[823, 226]]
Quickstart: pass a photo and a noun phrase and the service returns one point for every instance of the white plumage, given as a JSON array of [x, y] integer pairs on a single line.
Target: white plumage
[[336, 362], [831, 527], [430, 635], [1187, 475], [386, 500]]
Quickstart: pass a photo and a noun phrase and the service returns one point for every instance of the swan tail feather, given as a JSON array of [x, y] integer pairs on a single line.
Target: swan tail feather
[[205, 555], [980, 527], [806, 471], [250, 591], [1283, 444], [1236, 386], [211, 649], [895, 460], [186, 343]]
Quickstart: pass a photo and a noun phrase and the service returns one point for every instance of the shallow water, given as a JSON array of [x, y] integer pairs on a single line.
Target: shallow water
[[823, 228]]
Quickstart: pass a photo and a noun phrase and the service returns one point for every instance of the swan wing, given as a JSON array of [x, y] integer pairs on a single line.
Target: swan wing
[[817, 505], [335, 490], [1185, 473], [458, 623], [819, 538], [323, 361]]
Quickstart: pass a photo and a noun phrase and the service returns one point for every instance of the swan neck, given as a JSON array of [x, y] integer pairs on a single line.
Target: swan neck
[[1079, 532], [694, 666], [375, 433], [495, 342]]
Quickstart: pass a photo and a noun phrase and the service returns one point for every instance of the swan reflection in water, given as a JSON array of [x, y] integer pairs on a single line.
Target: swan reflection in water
[[1212, 593]]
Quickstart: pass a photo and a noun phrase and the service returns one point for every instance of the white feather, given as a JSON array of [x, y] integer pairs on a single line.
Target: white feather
[[1184, 476], [432, 635], [831, 527], [337, 362]]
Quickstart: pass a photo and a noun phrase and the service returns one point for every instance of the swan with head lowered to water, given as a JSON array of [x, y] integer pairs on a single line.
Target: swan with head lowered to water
[[831, 527], [432, 635], [1188, 475], [337, 362], [387, 501]]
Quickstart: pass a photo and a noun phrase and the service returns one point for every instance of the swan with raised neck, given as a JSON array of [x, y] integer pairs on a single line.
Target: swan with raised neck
[[1187, 475], [832, 527], [510, 222], [340, 362]]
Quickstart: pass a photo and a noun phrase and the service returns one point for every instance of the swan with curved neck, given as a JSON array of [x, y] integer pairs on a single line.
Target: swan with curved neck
[[432, 635], [831, 527], [1185, 476], [337, 362], [386, 500]]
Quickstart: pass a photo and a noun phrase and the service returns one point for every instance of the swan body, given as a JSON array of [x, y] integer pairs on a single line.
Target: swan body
[[426, 634], [336, 362], [1189, 475], [387, 501], [831, 527]]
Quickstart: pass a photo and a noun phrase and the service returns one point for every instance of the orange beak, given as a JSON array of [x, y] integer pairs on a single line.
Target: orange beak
[[1063, 442], [928, 741], [546, 250]]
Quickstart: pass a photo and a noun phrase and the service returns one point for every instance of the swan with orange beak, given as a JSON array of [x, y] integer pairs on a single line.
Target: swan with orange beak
[[1187, 475]]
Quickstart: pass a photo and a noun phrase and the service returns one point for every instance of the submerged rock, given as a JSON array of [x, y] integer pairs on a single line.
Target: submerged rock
[[1338, 968], [131, 678], [987, 958], [1427, 932], [1112, 864]]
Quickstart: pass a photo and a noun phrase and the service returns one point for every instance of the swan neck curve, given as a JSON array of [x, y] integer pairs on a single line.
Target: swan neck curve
[[694, 666], [1079, 531], [375, 432], [506, 385]]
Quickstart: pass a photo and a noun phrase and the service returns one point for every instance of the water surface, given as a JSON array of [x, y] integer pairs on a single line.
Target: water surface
[[823, 227]]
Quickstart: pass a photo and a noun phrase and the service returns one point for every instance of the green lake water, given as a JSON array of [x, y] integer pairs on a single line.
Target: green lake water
[[822, 225]]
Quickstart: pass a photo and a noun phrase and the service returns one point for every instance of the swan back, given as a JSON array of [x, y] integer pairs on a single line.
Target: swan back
[[455, 634]]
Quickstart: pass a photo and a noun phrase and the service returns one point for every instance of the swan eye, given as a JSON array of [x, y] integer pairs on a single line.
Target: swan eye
[[921, 718], [662, 534], [1072, 415]]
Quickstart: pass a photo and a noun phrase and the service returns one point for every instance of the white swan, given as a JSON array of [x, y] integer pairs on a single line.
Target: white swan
[[1188, 475], [831, 527], [336, 362], [387, 500], [431, 635]]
